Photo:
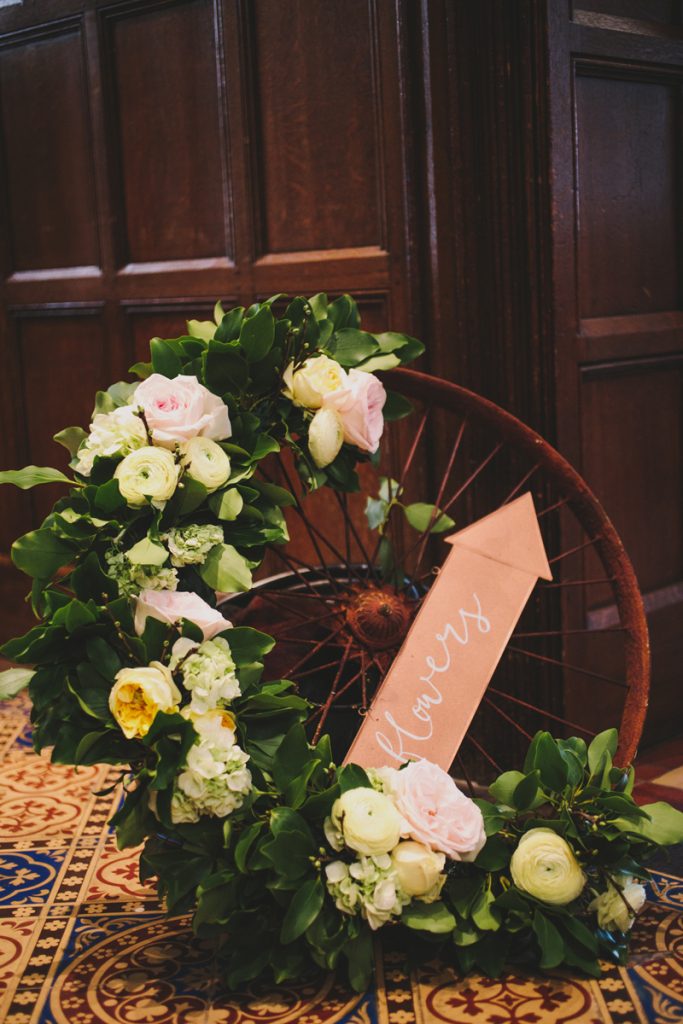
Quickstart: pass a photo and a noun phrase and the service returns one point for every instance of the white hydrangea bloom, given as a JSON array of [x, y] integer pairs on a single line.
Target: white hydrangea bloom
[[118, 432], [208, 672], [215, 779], [368, 886], [189, 545], [131, 578]]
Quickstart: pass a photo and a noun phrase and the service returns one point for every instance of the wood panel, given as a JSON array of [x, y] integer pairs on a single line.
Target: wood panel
[[46, 150], [165, 132], [317, 125], [617, 231]]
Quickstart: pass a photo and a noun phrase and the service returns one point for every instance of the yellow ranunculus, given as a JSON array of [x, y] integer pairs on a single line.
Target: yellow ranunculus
[[367, 820], [419, 870], [315, 378], [138, 694], [206, 462], [148, 474], [544, 866]]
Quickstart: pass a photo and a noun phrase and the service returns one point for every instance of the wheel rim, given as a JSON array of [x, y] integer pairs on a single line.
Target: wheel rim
[[330, 602]]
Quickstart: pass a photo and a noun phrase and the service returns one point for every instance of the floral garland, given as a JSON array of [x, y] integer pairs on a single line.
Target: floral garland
[[132, 664]]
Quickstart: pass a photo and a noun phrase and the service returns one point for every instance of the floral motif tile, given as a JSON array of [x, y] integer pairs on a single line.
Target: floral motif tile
[[83, 942]]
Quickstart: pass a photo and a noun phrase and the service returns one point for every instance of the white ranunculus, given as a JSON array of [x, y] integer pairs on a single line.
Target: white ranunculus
[[617, 907], [206, 462], [325, 437], [148, 474], [419, 870], [111, 433], [138, 694], [315, 378], [368, 821], [544, 865]]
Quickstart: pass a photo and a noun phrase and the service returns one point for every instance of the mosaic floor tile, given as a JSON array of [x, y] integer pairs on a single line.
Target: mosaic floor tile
[[83, 942]]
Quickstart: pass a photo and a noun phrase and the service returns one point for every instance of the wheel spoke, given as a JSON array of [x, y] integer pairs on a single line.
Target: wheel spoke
[[540, 711], [565, 666]]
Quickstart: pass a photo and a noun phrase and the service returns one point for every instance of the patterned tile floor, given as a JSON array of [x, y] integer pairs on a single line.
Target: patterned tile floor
[[81, 941]]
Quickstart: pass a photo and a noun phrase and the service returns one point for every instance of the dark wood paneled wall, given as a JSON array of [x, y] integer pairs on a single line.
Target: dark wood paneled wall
[[502, 179]]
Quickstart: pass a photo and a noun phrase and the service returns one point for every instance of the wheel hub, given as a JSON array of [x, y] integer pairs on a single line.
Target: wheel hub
[[378, 618]]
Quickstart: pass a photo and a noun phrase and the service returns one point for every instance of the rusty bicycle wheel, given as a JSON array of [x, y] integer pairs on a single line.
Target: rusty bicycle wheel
[[578, 659]]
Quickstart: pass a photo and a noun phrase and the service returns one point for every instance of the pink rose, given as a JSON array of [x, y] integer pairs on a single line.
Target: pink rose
[[436, 812], [172, 605], [179, 409], [359, 403]]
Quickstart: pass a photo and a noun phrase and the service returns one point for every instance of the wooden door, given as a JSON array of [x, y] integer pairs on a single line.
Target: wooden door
[[616, 73], [159, 154]]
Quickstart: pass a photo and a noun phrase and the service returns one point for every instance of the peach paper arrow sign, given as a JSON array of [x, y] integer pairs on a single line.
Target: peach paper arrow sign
[[428, 699]]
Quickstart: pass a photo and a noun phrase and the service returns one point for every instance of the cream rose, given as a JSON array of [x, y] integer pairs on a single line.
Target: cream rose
[[436, 813], [359, 403], [617, 907], [138, 694], [205, 462], [315, 378], [148, 474], [367, 820], [172, 606], [325, 437], [176, 410], [544, 866], [419, 870]]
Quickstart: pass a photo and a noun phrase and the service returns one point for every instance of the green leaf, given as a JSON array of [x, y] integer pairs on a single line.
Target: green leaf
[[141, 370], [203, 329], [257, 334], [428, 917], [495, 854], [376, 511], [226, 505], [165, 359], [343, 312], [71, 438], [13, 680], [278, 495], [503, 789], [247, 644], [229, 328], [225, 569], [32, 476], [550, 941], [405, 347], [303, 910], [484, 914], [526, 792], [380, 362], [546, 758], [396, 407], [244, 845], [41, 553], [664, 825], [420, 515], [225, 369], [146, 552], [352, 776], [350, 346], [604, 741]]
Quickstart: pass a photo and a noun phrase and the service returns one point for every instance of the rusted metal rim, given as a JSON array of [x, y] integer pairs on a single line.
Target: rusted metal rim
[[590, 514]]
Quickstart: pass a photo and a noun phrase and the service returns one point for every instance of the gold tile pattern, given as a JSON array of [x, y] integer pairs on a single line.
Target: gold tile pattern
[[83, 942]]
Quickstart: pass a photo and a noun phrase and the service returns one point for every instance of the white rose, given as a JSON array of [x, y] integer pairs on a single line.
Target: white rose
[[206, 462], [138, 694], [325, 437], [419, 869], [544, 866], [315, 378], [148, 474], [368, 821], [176, 410], [618, 905]]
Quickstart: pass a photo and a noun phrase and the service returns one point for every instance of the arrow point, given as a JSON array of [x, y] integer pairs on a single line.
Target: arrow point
[[510, 535]]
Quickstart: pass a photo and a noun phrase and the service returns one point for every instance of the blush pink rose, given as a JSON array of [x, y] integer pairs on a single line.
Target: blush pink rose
[[436, 813], [180, 409], [358, 404], [172, 605]]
